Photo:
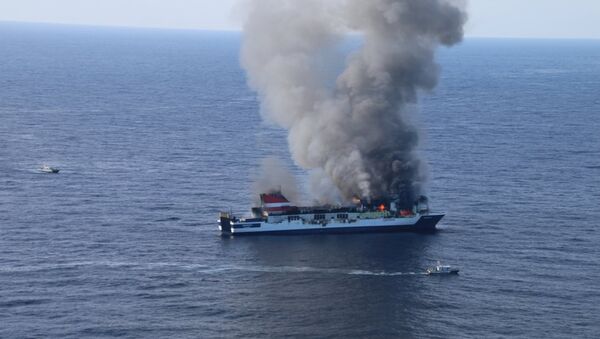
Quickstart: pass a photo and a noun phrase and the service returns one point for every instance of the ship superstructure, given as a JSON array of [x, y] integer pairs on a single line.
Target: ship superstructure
[[276, 215]]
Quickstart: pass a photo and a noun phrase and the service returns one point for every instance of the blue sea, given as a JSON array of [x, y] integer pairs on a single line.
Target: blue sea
[[155, 131]]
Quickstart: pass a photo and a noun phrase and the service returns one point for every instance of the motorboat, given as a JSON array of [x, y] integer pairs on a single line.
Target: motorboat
[[441, 269], [48, 169]]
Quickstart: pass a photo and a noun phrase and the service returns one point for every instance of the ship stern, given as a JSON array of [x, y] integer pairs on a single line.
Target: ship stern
[[225, 223]]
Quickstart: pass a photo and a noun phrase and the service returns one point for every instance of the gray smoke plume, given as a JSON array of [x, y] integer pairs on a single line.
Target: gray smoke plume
[[274, 176], [357, 134]]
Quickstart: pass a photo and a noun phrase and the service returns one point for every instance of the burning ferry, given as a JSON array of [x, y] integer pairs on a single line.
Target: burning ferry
[[276, 215]]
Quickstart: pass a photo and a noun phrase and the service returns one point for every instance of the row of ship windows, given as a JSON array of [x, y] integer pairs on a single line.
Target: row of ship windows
[[246, 226], [318, 217]]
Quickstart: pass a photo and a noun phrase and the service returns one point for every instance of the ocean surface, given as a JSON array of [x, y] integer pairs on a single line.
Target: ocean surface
[[155, 131]]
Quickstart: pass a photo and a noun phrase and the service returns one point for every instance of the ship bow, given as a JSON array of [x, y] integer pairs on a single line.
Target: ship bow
[[428, 222]]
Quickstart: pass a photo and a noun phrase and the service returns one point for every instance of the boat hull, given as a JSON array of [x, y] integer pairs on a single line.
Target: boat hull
[[453, 272], [422, 223]]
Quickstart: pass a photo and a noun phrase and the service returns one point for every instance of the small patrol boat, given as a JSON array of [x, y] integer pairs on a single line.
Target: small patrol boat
[[48, 169], [441, 269]]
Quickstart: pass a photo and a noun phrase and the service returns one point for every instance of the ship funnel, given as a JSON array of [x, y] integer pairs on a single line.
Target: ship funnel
[[274, 202]]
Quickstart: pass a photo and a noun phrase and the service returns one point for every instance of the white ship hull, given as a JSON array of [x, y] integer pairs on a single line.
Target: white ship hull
[[415, 223]]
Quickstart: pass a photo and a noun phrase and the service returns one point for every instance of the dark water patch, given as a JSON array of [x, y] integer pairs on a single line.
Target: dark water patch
[[23, 302], [168, 219], [158, 208], [213, 312], [163, 285], [161, 294], [107, 332], [584, 151]]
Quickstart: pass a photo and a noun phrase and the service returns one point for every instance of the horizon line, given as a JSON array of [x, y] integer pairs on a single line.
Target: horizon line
[[239, 30]]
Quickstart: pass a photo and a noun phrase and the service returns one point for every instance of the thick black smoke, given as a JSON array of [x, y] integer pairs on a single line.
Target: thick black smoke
[[355, 136]]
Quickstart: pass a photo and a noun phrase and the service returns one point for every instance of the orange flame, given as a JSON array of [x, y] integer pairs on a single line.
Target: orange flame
[[382, 207]]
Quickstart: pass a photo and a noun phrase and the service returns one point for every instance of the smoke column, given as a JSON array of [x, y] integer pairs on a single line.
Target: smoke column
[[274, 176], [355, 134]]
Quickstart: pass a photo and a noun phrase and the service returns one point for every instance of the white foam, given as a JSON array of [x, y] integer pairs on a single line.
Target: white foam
[[200, 268]]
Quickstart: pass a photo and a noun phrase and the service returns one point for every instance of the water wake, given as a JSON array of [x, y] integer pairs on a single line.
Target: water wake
[[199, 268]]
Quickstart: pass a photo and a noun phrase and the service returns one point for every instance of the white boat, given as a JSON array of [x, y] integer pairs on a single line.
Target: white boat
[[441, 269], [277, 215], [48, 169]]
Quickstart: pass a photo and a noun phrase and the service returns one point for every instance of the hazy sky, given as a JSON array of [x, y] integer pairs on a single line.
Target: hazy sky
[[496, 18]]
